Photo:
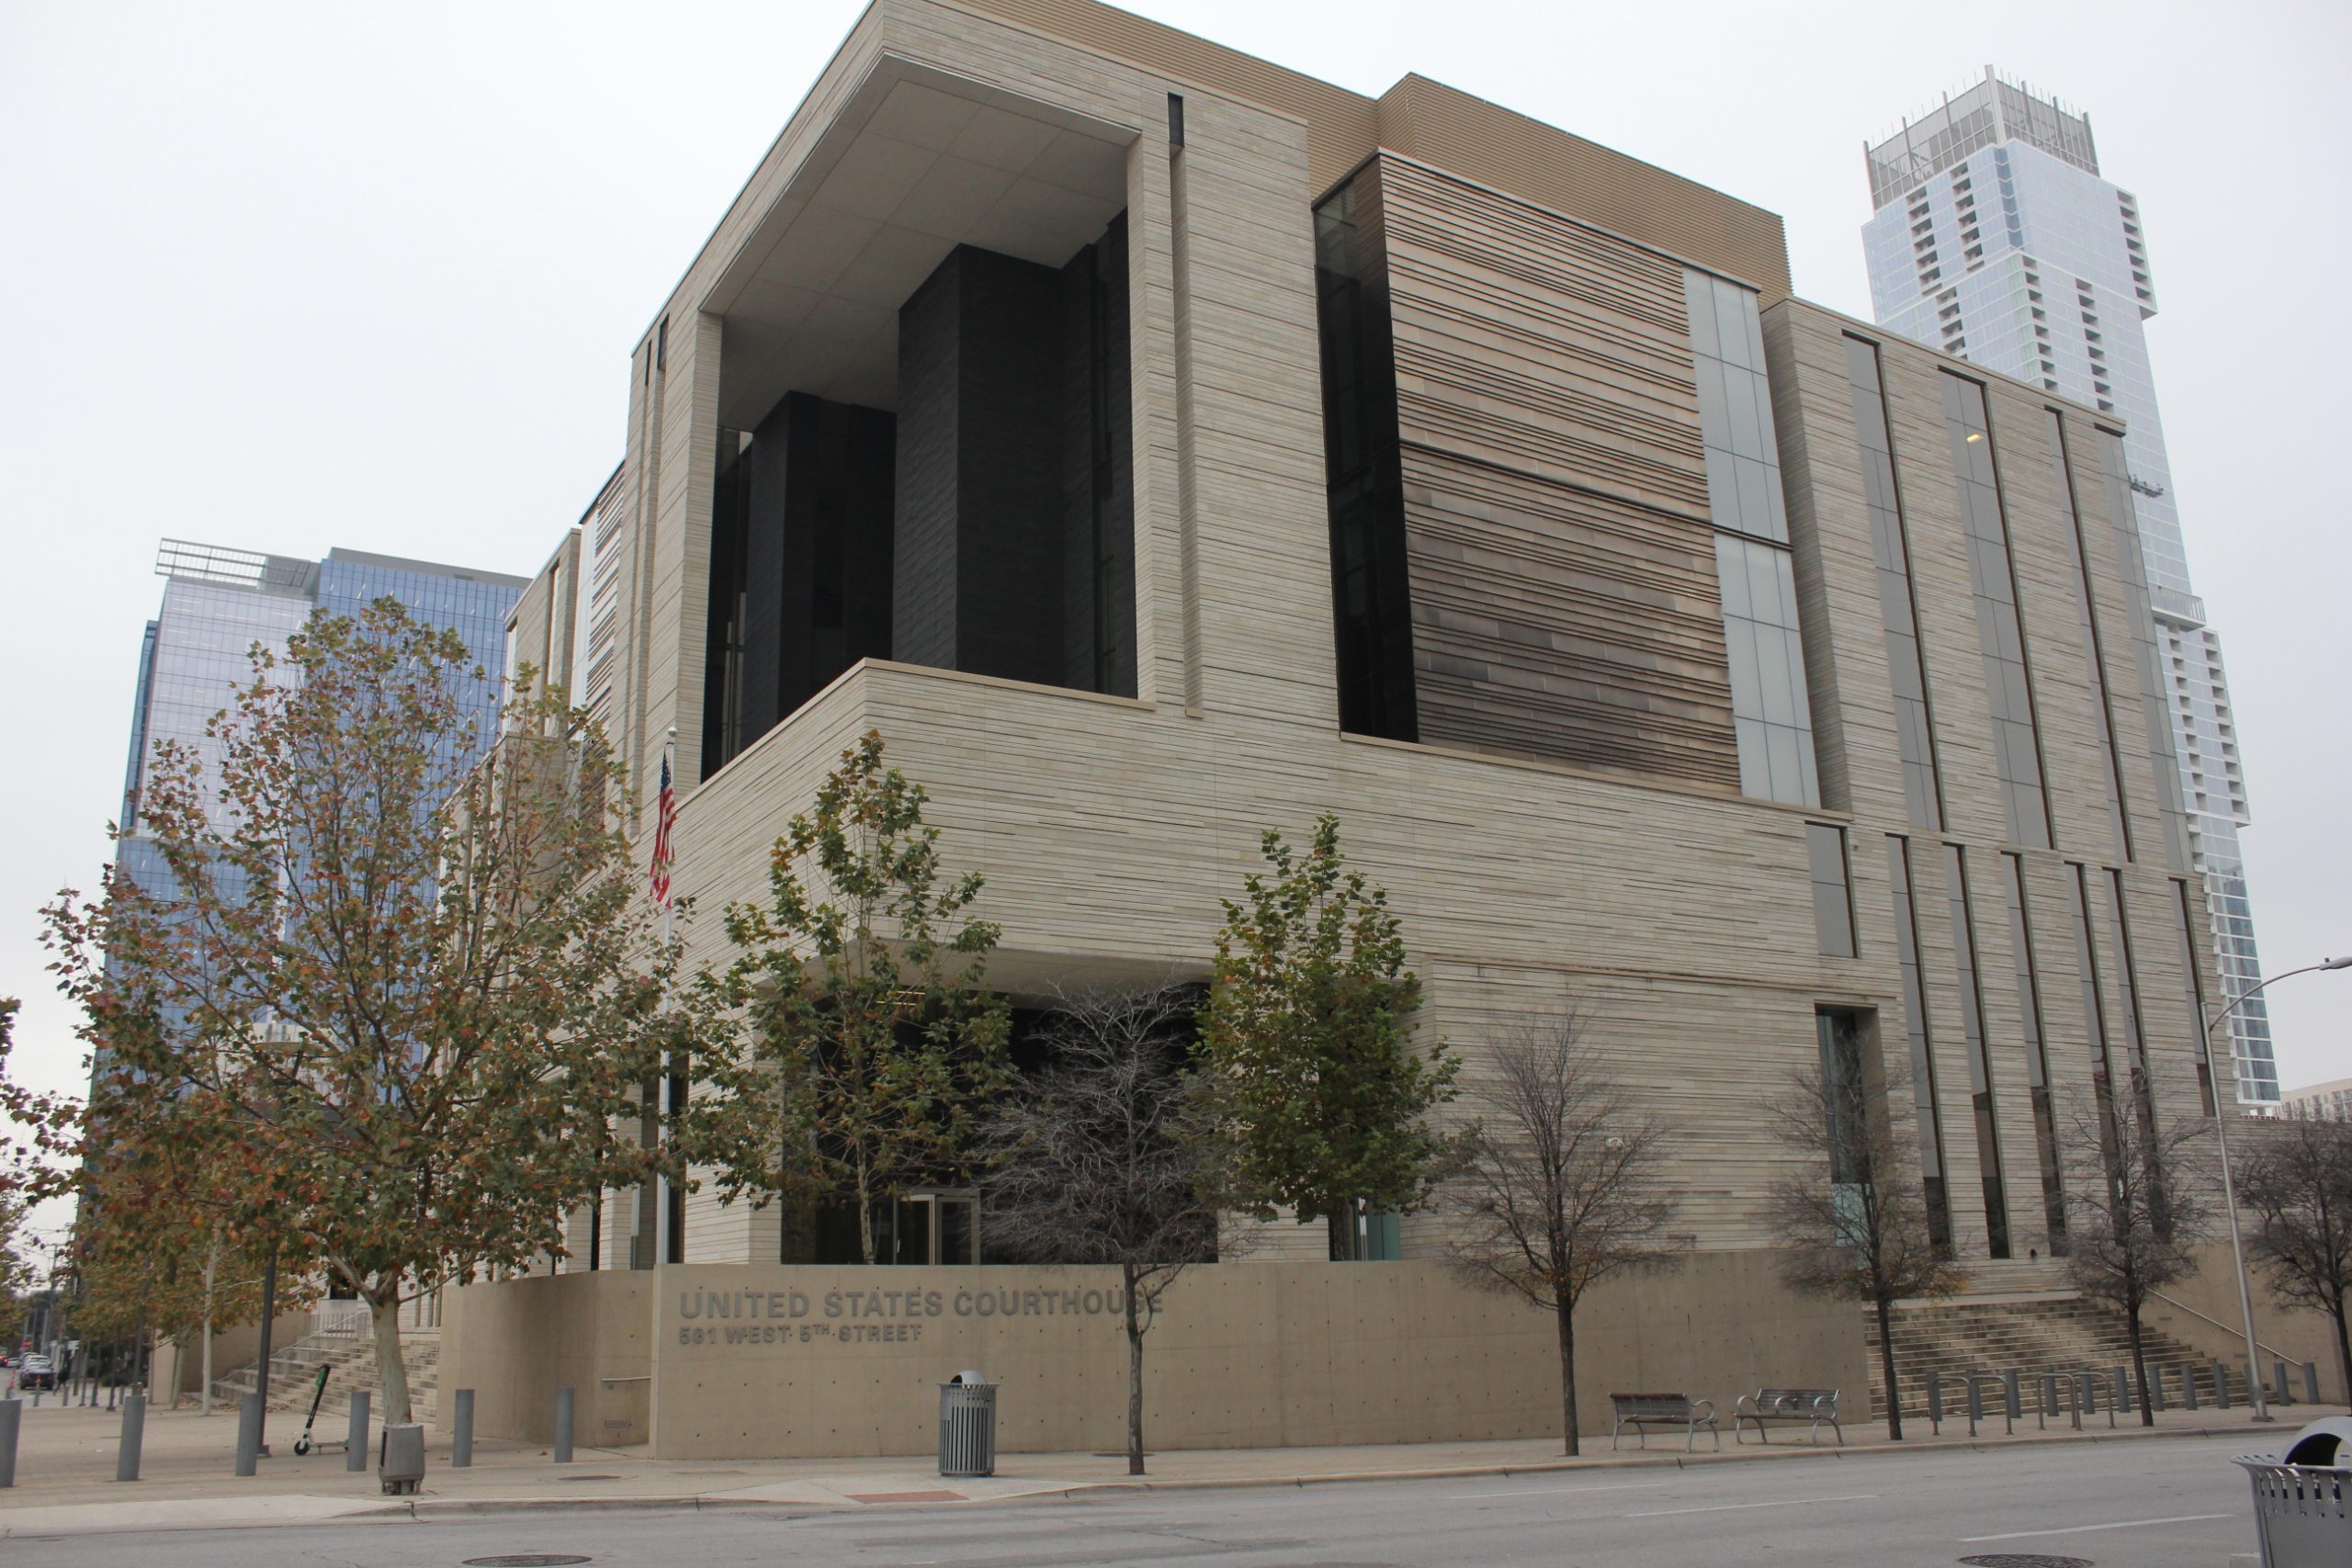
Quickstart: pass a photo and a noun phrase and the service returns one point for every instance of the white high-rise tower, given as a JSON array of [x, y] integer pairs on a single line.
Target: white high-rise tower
[[1996, 239]]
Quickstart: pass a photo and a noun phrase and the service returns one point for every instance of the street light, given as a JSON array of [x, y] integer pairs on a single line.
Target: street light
[[2229, 1190]]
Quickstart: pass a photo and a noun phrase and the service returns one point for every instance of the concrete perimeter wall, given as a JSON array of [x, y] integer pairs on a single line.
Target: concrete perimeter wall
[[750, 1362], [2301, 1335]]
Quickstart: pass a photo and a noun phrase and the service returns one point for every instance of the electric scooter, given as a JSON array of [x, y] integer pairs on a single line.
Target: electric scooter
[[302, 1443]]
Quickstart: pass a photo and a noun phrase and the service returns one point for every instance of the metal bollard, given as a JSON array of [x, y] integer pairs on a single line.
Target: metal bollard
[[2086, 1392], [2187, 1387], [1936, 1401], [2049, 1398], [354, 1441], [2286, 1390], [2221, 1386], [2122, 1401], [461, 1431], [249, 1435], [1975, 1404], [2074, 1398], [2156, 1390], [563, 1426], [12, 1414], [2311, 1383], [2014, 1407], [134, 1434]]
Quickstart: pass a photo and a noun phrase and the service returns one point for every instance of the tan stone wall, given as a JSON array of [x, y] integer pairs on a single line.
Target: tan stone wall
[[766, 1361], [2207, 1318], [514, 1343]]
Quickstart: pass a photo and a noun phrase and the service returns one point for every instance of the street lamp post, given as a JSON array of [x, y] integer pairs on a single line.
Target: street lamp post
[[2228, 1188]]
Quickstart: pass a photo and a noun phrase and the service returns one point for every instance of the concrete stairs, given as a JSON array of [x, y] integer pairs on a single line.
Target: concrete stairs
[[350, 1361], [2033, 1331]]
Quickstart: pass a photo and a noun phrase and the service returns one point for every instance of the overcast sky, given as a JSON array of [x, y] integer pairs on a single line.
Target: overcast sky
[[287, 277]]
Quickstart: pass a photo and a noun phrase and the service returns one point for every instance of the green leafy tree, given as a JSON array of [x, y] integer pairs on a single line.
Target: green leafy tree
[[16, 1269], [871, 1038], [1308, 1036], [399, 991], [40, 1133]]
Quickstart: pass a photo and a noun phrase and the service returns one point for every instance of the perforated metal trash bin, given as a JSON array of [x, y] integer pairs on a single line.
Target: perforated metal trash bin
[[968, 1425], [2303, 1503]]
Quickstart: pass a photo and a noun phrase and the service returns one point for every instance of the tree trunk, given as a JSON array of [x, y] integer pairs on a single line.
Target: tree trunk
[[1886, 1370], [865, 1219], [1564, 1312], [2139, 1364], [1341, 1224], [211, 1272], [1135, 1375], [2343, 1350], [391, 1370]]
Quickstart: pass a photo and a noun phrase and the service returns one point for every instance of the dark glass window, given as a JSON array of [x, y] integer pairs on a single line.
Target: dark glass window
[[1833, 899], [1371, 594], [1992, 575], [1839, 1035], [1923, 1062], [2037, 1055], [1898, 611], [1980, 1062]]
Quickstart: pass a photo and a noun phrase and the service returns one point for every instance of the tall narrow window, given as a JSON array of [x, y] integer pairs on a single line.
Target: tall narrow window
[[2079, 560], [2037, 1054], [1992, 576], [2078, 907], [2195, 997], [2127, 982], [1923, 1064], [1838, 1034], [1771, 714], [1898, 611], [2155, 715], [1833, 899], [1980, 1064]]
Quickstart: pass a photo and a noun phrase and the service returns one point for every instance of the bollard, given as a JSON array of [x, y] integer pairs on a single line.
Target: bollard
[[2286, 1391], [2015, 1407], [12, 1411], [461, 1431], [2122, 1401], [355, 1442], [2074, 1393], [1936, 1401], [134, 1434], [2187, 1387], [2156, 1390], [563, 1426], [1975, 1404], [249, 1435], [2311, 1383], [2049, 1398], [2221, 1386]]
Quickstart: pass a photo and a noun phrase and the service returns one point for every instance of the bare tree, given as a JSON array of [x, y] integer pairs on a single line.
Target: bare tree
[[1106, 1157], [1559, 1186], [2297, 1183], [1854, 1225], [2139, 1200]]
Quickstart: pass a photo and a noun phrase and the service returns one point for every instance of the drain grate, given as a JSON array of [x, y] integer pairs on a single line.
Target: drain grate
[[2024, 1560], [527, 1560]]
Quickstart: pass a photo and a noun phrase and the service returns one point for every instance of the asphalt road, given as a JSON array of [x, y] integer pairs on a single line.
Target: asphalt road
[[2145, 1505]]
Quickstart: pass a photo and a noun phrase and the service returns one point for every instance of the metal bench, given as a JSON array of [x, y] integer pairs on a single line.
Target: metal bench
[[1810, 1405], [1671, 1412]]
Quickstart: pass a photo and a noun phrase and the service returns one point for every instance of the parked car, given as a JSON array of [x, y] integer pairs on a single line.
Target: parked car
[[38, 1372]]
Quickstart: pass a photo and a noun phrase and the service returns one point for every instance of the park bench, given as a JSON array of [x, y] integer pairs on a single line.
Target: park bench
[[1810, 1405], [1669, 1412]]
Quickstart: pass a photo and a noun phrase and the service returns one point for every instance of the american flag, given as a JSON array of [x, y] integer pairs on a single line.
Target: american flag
[[665, 813]]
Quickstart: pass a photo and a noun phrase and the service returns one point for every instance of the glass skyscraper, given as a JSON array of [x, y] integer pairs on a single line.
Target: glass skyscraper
[[1996, 239], [218, 602]]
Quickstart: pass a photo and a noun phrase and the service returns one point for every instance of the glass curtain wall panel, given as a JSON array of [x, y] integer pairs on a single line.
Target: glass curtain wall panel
[[1771, 712], [1980, 1063], [2157, 717], [1992, 575], [2070, 534], [2037, 1054], [1923, 1064], [1898, 609]]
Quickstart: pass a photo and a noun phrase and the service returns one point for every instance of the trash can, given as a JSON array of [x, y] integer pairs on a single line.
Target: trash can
[[399, 1458], [2303, 1503], [968, 1425]]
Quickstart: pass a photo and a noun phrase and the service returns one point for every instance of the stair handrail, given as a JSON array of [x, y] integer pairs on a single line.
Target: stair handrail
[[2286, 1356], [281, 1353]]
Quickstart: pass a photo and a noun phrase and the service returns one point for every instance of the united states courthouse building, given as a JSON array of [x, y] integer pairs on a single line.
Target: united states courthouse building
[[1156, 446]]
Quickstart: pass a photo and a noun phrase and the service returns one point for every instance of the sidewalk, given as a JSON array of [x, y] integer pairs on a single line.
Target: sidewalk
[[66, 1460]]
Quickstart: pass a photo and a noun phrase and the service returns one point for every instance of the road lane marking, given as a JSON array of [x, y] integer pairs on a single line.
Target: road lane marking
[[2085, 1529], [1782, 1503], [1545, 1492]]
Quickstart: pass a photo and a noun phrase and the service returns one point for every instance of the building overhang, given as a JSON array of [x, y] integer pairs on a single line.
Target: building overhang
[[916, 162]]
